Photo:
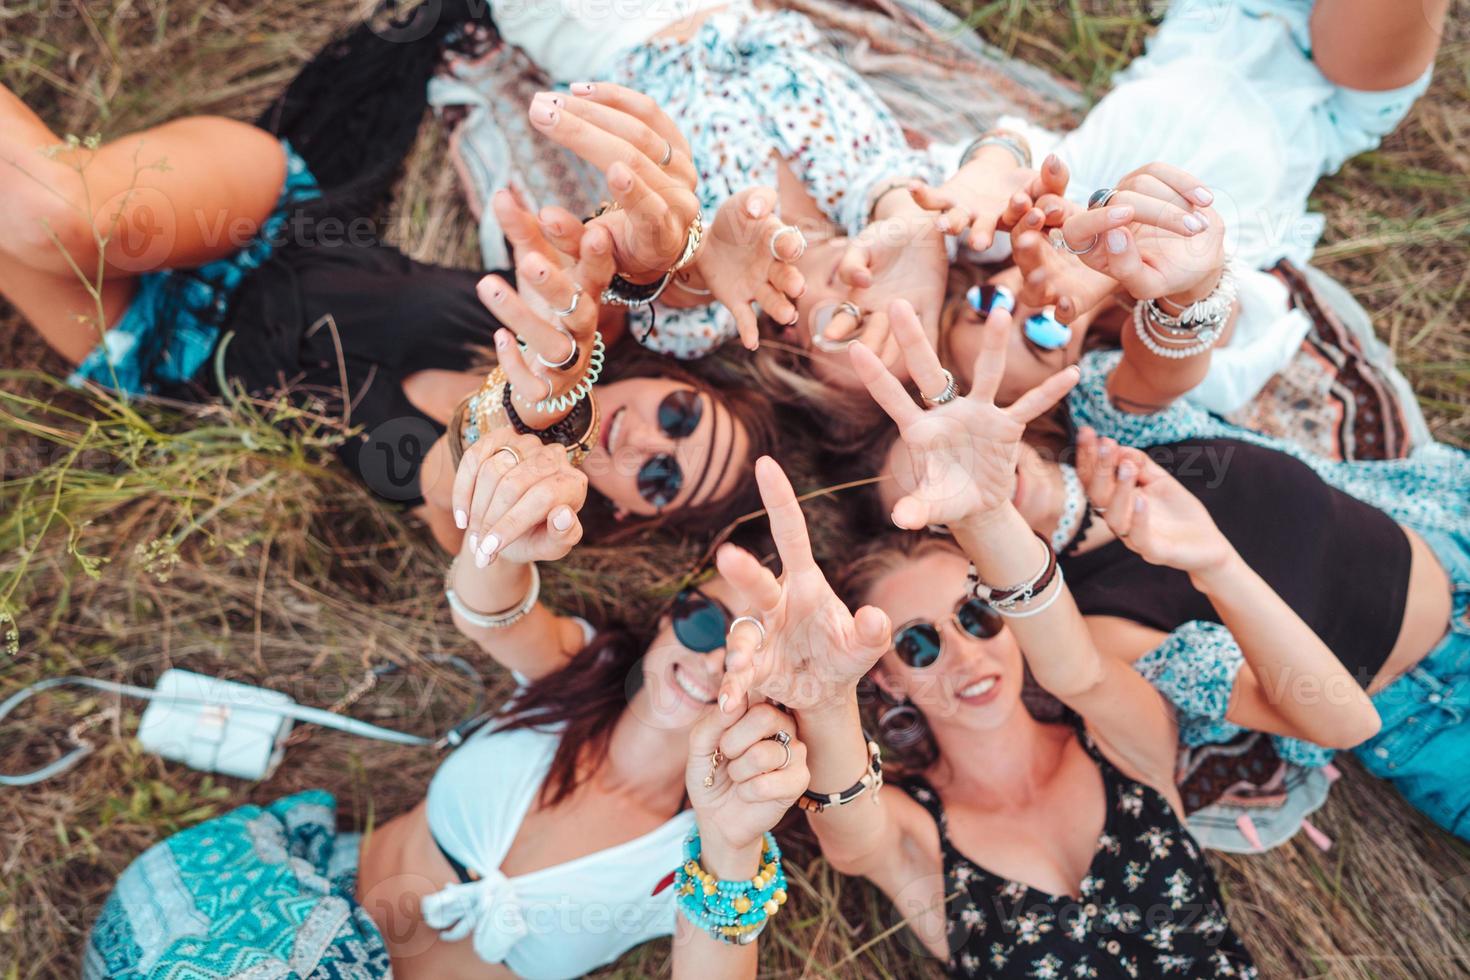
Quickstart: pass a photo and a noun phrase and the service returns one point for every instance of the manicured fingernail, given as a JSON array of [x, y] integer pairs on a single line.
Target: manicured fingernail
[[1193, 223], [489, 546], [1120, 213], [543, 113], [755, 207], [481, 559], [581, 88], [461, 519], [1202, 196], [557, 100], [502, 339], [723, 699], [1052, 162], [1104, 449], [1117, 241], [562, 519], [1126, 471], [1052, 209]]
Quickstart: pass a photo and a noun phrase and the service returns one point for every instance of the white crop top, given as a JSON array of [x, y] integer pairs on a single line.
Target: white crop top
[[576, 40], [559, 922]]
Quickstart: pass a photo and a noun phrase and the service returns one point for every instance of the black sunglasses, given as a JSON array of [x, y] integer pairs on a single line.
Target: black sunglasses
[[700, 623], [661, 478], [919, 644]]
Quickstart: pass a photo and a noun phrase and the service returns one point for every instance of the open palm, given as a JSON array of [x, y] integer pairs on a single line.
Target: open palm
[[814, 650], [963, 452]]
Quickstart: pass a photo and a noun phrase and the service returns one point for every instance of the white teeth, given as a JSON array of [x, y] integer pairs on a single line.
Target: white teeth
[[978, 688], [690, 688]]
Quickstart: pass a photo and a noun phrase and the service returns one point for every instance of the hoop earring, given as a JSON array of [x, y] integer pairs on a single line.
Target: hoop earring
[[902, 725]]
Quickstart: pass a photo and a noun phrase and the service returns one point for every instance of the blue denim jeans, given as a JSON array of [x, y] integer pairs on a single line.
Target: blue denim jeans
[[1424, 745]]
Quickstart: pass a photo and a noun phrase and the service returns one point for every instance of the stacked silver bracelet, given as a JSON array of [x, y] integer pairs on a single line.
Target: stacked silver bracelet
[[1194, 329], [499, 620]]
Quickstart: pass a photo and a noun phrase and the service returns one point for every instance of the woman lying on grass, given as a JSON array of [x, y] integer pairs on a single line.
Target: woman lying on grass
[[607, 804], [234, 258], [1024, 849], [1285, 91], [1240, 574]]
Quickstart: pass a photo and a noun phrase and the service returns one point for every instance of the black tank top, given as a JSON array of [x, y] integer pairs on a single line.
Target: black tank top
[[1341, 564], [1149, 906]]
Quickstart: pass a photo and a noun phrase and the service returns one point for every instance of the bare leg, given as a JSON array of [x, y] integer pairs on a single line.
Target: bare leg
[[60, 307], [1376, 45], [181, 194]]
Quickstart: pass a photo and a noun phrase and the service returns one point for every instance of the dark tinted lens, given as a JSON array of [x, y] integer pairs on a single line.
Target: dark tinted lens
[[917, 645], [679, 413], [979, 620], [699, 622], [660, 479]]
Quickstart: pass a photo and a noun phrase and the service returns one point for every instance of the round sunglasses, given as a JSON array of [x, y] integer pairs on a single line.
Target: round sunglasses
[[661, 478], [1041, 328], [700, 622], [918, 643]]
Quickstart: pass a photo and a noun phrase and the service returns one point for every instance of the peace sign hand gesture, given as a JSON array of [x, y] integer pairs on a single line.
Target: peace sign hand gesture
[[808, 649], [964, 447]]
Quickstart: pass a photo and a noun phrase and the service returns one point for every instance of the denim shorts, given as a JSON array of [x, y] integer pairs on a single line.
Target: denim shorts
[[1424, 745]]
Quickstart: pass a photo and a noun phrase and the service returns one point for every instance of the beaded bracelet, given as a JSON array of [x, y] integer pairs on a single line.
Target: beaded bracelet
[[730, 911], [1005, 600]]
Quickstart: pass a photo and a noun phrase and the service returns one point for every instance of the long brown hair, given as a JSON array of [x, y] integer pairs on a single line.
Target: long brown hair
[[582, 703]]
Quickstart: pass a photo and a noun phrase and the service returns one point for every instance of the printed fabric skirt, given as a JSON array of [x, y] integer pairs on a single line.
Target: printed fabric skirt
[[261, 892]]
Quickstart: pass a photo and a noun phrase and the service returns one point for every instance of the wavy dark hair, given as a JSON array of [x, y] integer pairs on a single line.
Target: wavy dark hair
[[582, 702]]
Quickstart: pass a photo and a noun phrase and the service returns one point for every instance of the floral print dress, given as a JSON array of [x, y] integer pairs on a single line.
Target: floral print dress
[[750, 88], [1148, 907]]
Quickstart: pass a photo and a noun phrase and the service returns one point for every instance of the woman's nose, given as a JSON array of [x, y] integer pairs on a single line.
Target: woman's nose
[[647, 439]]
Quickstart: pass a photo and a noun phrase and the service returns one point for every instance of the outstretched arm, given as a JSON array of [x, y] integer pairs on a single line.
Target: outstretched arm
[[965, 456], [1295, 685]]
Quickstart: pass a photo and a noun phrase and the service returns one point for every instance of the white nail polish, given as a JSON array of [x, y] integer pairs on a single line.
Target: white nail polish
[[461, 519], [1193, 223], [490, 545], [1202, 196], [481, 559], [1117, 241]]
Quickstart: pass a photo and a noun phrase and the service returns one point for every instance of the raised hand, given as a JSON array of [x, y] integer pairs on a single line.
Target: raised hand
[[813, 650], [1150, 511], [551, 283], [756, 782], [964, 451], [990, 193], [902, 256], [646, 162], [520, 498], [1157, 236], [746, 261]]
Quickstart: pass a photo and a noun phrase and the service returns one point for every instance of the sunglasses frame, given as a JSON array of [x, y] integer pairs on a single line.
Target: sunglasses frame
[[973, 298], [698, 417], [719, 606], [933, 625]]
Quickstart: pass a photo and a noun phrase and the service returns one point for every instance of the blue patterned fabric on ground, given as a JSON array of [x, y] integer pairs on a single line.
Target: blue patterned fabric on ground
[[172, 324], [258, 892]]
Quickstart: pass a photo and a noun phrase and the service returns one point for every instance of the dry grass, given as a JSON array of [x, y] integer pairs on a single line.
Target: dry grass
[[130, 542]]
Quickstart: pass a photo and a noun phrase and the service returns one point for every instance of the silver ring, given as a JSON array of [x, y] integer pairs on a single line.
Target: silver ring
[[947, 394], [753, 621], [1060, 241], [668, 154], [1100, 198], [565, 362], [820, 341], [1100, 511], [782, 738], [800, 242], [572, 307], [515, 457]]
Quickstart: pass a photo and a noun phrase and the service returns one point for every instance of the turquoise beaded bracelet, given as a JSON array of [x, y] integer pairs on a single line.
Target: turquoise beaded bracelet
[[730, 911]]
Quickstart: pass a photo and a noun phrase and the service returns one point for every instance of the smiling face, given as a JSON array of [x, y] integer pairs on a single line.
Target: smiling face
[[974, 684], [680, 683], [665, 446]]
